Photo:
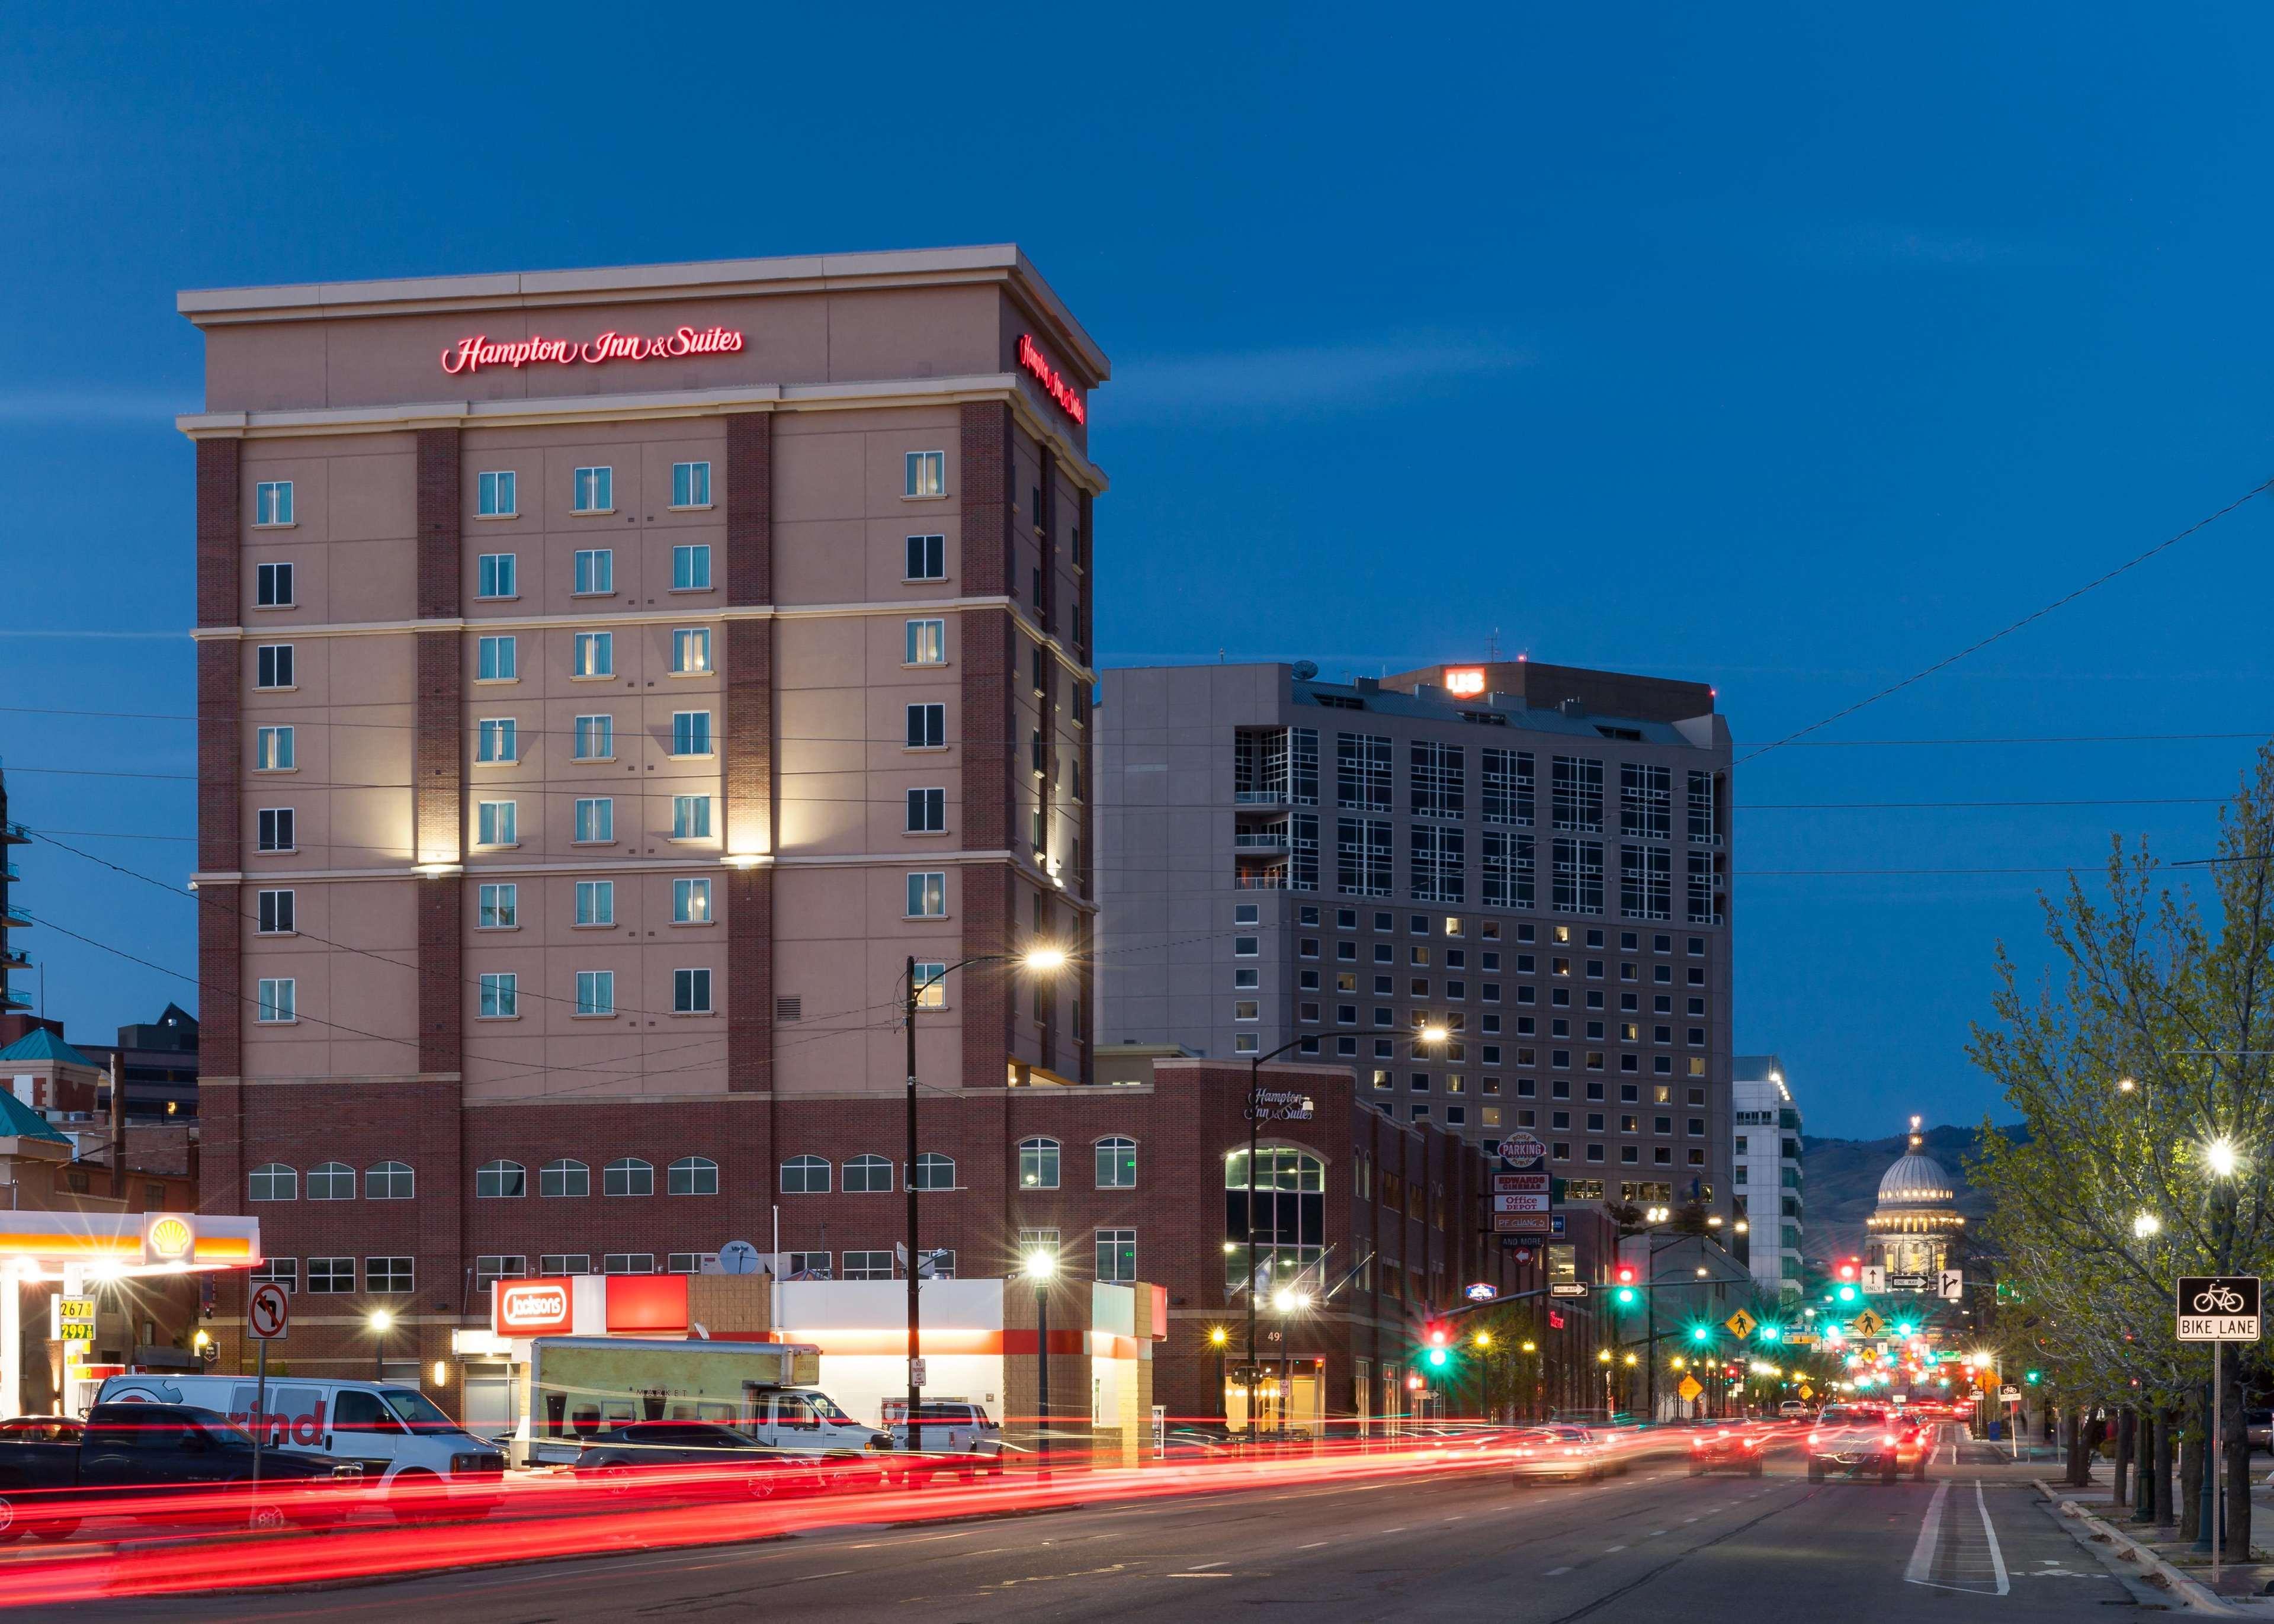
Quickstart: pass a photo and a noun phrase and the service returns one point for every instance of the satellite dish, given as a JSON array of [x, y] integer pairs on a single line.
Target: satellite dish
[[1305, 670]]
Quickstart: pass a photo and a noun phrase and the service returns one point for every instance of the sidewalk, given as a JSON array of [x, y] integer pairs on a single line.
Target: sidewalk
[[2236, 1579]]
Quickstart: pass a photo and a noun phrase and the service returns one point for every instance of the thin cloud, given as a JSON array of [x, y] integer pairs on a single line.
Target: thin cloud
[[1310, 379], [89, 403]]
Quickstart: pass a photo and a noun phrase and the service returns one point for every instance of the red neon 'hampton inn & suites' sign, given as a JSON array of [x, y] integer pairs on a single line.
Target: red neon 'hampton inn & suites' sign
[[478, 350]]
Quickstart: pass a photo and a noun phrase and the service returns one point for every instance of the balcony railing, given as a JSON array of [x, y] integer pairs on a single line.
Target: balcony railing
[[1273, 880], [1267, 838], [1259, 797]]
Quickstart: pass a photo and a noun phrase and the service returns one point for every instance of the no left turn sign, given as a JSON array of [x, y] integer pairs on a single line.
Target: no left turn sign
[[268, 1317]]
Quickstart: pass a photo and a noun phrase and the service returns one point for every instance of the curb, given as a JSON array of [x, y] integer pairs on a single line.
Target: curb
[[2189, 1593]]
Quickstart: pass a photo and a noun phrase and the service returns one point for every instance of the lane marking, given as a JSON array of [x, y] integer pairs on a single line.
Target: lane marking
[[1921, 1569], [1553, 1572], [1997, 1559], [1609, 1549]]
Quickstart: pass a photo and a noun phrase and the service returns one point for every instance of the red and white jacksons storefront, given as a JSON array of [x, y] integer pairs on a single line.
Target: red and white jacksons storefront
[[85, 1284]]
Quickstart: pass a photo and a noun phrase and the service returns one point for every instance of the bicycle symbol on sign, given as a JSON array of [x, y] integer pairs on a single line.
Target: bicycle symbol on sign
[[2218, 1299]]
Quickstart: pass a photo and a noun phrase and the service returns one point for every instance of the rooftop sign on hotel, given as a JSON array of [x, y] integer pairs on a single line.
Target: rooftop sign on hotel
[[1053, 381], [478, 350]]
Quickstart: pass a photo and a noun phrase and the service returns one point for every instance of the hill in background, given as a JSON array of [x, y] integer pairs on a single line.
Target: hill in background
[[1842, 1184]]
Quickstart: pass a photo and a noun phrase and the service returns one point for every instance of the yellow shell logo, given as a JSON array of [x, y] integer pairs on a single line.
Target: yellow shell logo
[[170, 1238]]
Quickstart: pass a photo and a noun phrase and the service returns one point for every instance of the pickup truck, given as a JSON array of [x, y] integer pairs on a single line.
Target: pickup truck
[[164, 1464], [1867, 1440], [955, 1428]]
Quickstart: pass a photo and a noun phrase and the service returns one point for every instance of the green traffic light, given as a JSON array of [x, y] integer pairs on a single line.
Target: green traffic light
[[1699, 1334], [1625, 1296], [1848, 1294], [2033, 1377], [1771, 1333], [1906, 1329], [1437, 1358]]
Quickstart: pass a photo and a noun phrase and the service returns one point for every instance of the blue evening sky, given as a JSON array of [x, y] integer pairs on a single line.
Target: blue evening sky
[[1782, 347]]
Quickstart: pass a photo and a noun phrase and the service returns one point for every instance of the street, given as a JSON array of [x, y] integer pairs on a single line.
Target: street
[[1973, 1542]]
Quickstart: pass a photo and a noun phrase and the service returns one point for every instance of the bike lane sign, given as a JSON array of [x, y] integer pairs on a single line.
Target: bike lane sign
[[2219, 1308]]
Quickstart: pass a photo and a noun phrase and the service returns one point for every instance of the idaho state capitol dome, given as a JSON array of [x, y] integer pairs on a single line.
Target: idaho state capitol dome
[[1915, 1224], [1916, 1179]]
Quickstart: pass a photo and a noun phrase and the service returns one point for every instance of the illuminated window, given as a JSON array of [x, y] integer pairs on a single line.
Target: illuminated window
[[927, 473], [271, 750], [926, 643], [595, 490], [691, 902], [595, 655], [690, 651], [1038, 1164], [272, 502]]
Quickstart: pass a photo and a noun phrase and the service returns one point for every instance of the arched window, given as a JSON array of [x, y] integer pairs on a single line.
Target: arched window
[[273, 1181], [867, 1176], [1038, 1164], [565, 1176], [805, 1176], [389, 1181], [331, 1181], [935, 1172], [627, 1176], [1117, 1164], [501, 1180], [694, 1175], [1290, 1216]]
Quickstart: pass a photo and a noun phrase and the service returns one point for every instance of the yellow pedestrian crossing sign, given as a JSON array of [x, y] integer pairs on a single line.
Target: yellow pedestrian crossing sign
[[1741, 1324], [1690, 1390], [1868, 1324]]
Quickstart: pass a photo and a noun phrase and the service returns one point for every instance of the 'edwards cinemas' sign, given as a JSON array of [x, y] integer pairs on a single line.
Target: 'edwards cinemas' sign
[[478, 350]]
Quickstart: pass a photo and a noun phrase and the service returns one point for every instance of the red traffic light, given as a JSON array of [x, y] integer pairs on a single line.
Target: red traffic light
[[1436, 1336], [1851, 1270], [1624, 1274]]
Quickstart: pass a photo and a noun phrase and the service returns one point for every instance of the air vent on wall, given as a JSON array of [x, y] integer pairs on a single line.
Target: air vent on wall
[[790, 1009]]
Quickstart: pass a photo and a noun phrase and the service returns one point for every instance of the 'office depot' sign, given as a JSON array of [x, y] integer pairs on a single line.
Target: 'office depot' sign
[[478, 350], [533, 1308]]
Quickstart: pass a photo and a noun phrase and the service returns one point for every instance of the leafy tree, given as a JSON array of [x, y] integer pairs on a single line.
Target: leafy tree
[[2141, 1066]]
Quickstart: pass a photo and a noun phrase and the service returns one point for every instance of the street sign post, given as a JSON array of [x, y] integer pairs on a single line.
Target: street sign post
[[1950, 1285], [1875, 1278], [2217, 1309], [915, 1379], [267, 1319], [1567, 1288]]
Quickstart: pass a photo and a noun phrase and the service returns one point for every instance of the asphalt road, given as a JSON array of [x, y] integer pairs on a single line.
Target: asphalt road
[[1973, 1542]]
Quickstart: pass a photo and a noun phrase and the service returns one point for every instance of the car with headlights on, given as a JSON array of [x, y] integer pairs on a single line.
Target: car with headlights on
[[1867, 1440], [1571, 1453]]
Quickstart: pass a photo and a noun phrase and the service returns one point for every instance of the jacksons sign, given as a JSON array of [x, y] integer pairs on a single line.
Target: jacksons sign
[[477, 351], [1053, 381]]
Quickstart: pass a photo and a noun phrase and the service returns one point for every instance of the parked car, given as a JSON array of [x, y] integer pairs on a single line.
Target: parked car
[[703, 1459], [2258, 1427], [411, 1451], [165, 1464]]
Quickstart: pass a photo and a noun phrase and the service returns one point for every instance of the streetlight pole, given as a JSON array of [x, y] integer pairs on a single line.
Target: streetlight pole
[[1041, 1265], [380, 1319]]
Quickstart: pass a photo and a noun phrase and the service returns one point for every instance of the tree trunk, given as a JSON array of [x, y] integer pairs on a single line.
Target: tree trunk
[[2236, 1442], [2165, 1510], [2191, 1462], [2120, 1482], [2081, 1432]]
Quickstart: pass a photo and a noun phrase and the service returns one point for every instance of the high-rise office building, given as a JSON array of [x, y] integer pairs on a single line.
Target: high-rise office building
[[1765, 1168]]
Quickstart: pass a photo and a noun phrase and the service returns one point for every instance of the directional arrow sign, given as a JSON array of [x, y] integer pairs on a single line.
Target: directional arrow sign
[[1741, 1324], [1950, 1284], [1866, 1324]]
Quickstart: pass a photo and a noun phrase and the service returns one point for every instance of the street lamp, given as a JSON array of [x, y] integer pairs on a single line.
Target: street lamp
[[380, 1322], [1042, 959], [1042, 1263]]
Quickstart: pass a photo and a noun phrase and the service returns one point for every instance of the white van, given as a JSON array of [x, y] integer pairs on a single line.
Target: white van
[[408, 1447]]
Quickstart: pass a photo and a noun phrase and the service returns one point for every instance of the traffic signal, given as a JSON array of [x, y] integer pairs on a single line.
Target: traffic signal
[[1624, 1292], [1904, 1330], [2033, 1377], [1701, 1333], [1850, 1270], [1770, 1334], [1439, 1355]]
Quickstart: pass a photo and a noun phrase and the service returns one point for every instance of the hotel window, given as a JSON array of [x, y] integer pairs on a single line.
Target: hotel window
[[1438, 779], [490, 1268], [596, 572], [272, 502], [1645, 881], [1578, 877], [690, 569], [690, 484], [1038, 1164], [596, 655], [1116, 1257], [564, 1178], [272, 665], [931, 993], [595, 992], [1362, 856], [1245, 1009], [596, 738], [690, 992], [331, 1276], [280, 1000], [596, 820], [275, 829], [692, 1176], [1439, 863], [1578, 793], [272, 586], [495, 575], [500, 1000], [806, 1175], [927, 812], [389, 1181], [690, 651], [1645, 802], [927, 643], [627, 1176], [494, 660], [1362, 772], [927, 896], [596, 902], [691, 733], [496, 740], [273, 1181], [867, 1174], [927, 473], [494, 495], [926, 726], [690, 817], [283, 1271], [496, 824], [595, 490], [927, 558], [497, 907], [274, 913], [272, 749], [691, 902]]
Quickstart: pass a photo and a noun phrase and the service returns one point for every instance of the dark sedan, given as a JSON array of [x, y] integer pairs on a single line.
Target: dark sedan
[[1734, 1447], [703, 1459]]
